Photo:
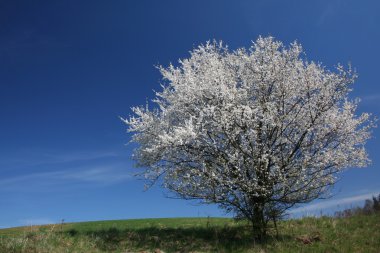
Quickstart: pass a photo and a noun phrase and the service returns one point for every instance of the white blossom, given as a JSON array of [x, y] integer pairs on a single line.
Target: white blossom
[[251, 129]]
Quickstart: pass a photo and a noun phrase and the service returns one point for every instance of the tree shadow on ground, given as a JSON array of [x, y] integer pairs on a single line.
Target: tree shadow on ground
[[214, 239]]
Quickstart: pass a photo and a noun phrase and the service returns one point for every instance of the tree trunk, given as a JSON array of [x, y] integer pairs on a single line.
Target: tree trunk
[[275, 225], [258, 221]]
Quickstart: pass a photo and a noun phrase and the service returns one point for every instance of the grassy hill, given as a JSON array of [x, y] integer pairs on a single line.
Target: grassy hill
[[360, 233]]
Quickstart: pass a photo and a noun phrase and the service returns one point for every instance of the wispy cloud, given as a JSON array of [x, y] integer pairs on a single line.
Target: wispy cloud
[[371, 98], [334, 203], [103, 175], [35, 157], [328, 11], [93, 175]]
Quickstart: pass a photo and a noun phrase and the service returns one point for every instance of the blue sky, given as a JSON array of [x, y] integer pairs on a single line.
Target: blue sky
[[69, 69]]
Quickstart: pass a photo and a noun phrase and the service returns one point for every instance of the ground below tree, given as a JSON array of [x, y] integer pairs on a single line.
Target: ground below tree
[[357, 233]]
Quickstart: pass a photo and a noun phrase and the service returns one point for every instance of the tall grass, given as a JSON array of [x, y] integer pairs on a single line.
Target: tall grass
[[360, 233]]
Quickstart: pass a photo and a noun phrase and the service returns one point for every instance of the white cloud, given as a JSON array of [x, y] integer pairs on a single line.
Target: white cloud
[[371, 98], [329, 11], [37, 157], [107, 175], [334, 203], [96, 175]]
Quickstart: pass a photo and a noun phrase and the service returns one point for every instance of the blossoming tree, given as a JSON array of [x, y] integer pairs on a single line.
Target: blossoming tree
[[255, 131]]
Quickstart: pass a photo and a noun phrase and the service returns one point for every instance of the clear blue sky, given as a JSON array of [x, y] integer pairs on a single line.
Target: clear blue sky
[[68, 69]]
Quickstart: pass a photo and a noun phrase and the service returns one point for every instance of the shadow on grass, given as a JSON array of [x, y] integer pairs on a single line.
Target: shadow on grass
[[214, 239]]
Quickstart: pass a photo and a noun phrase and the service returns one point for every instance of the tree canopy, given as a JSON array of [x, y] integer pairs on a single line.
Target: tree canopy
[[255, 130]]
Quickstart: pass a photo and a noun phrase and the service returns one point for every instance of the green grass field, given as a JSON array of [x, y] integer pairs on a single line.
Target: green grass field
[[354, 234]]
